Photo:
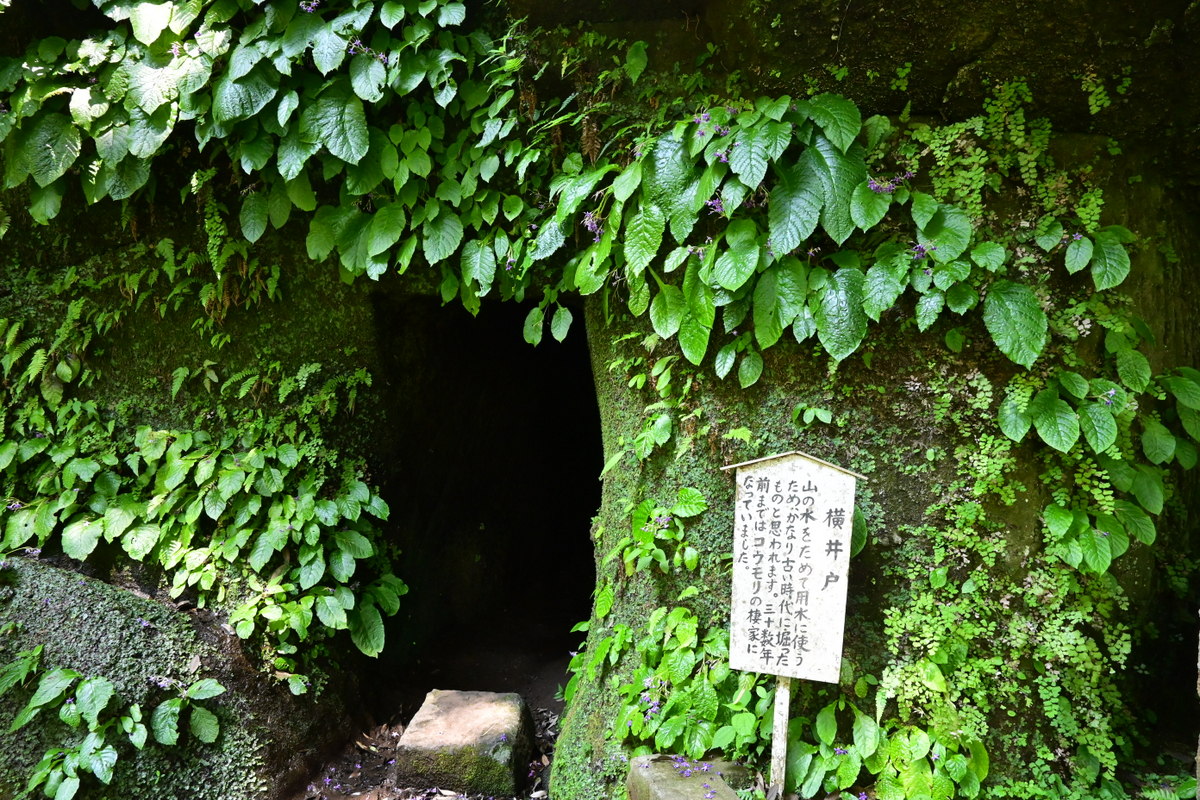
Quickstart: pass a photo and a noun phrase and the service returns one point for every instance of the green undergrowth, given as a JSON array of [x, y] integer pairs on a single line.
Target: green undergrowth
[[723, 239]]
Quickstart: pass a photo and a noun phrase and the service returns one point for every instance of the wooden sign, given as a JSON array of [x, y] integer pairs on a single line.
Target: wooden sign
[[791, 560], [793, 522]]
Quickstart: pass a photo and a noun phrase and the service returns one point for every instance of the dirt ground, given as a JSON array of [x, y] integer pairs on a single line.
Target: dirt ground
[[510, 664]]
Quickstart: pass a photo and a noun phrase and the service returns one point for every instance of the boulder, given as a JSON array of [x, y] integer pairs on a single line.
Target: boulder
[[470, 742]]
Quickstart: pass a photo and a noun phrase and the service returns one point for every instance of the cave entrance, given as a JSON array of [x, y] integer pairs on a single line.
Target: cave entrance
[[492, 484]]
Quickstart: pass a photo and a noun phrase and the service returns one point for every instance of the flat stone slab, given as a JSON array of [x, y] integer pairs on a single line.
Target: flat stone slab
[[470, 742], [662, 777]]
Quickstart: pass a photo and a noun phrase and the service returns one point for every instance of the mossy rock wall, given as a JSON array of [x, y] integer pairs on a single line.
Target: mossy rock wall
[[269, 740]]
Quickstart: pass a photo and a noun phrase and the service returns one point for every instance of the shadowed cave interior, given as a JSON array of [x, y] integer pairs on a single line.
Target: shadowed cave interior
[[492, 484]]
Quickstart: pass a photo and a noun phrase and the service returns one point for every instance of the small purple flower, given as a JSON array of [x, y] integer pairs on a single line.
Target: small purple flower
[[920, 251], [715, 206], [176, 49], [309, 6], [862, 796], [705, 767], [723, 156], [592, 223], [14, 505], [841, 751], [1076, 237], [504, 737]]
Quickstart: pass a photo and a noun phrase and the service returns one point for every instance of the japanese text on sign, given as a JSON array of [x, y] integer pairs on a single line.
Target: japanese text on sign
[[792, 529]]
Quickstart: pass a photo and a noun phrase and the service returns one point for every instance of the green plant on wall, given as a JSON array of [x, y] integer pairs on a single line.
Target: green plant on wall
[[402, 140]]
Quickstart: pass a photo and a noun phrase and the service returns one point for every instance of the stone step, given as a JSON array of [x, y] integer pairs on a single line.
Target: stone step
[[470, 742], [665, 777]]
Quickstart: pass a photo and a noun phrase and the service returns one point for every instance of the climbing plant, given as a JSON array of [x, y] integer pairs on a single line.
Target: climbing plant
[[400, 138]]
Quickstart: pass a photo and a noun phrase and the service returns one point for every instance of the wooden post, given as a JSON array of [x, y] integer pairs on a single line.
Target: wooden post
[[779, 734]]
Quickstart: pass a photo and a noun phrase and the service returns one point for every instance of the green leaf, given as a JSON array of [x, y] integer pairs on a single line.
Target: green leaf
[[245, 97], [451, 14], [140, 540], [1097, 551], [961, 298], [946, 234], [627, 182], [1014, 422], [92, 697], [635, 61], [1157, 442], [1110, 261], [1185, 390], [366, 630], [149, 20], [1136, 521], [101, 764], [689, 503], [643, 237], [1074, 383], [560, 323], [1049, 233], [1079, 253], [49, 148], [478, 262], [1016, 322], [930, 674], [826, 725], [441, 236], [337, 120], [204, 724], [924, 206], [367, 77], [795, 206], [737, 263], [1099, 427], [80, 537], [253, 216], [667, 310], [1133, 369], [328, 49], [748, 156], [534, 323], [750, 368], [839, 173], [354, 543], [1148, 488], [205, 689], [867, 207], [989, 255], [164, 721], [1055, 421], [838, 312], [549, 239], [928, 309], [693, 338], [838, 117], [880, 290]]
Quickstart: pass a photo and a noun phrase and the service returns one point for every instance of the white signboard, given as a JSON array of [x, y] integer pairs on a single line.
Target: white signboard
[[791, 560]]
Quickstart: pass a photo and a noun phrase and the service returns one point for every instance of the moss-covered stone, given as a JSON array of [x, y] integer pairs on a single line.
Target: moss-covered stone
[[268, 742]]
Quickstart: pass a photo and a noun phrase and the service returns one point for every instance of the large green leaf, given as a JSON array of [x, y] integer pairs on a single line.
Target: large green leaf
[[666, 174], [149, 20], [1099, 427], [881, 289], [1133, 369], [80, 537], [928, 309], [1157, 442], [337, 120], [838, 117], [693, 338], [947, 233], [164, 721], [49, 148], [1015, 319], [253, 216], [838, 312], [1110, 261], [643, 237], [478, 264], [839, 173], [245, 97], [1014, 422], [768, 324], [795, 206], [737, 263], [750, 368], [1055, 422], [667, 310], [748, 156], [441, 236], [1079, 253], [366, 629], [867, 207], [204, 725]]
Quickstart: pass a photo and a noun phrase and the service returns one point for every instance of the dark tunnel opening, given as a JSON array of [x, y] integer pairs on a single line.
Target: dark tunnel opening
[[492, 484]]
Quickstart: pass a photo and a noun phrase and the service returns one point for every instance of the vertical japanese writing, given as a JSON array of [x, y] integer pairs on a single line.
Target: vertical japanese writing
[[791, 553]]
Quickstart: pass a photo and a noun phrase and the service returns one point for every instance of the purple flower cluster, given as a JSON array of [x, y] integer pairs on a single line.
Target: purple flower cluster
[[592, 223], [841, 751], [309, 6], [920, 251], [1108, 396], [715, 206], [15, 505], [890, 185], [356, 47]]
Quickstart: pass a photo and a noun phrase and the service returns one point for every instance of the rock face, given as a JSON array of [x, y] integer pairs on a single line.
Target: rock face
[[471, 742], [660, 777], [268, 741]]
